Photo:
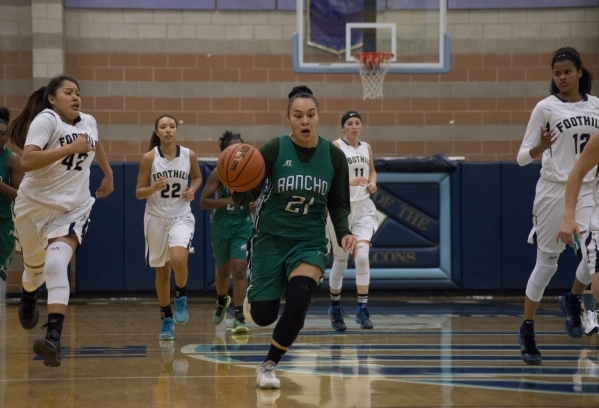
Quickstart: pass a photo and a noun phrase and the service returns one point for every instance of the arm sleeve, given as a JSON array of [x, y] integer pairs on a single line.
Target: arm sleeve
[[538, 118], [40, 130], [338, 201], [270, 152]]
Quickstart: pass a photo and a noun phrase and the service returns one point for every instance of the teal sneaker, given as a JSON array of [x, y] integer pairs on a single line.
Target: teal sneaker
[[167, 332], [239, 326], [181, 315], [220, 312]]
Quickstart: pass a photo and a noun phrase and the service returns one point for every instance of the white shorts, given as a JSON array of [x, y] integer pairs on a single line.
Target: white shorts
[[35, 224], [164, 233], [363, 223], [548, 211]]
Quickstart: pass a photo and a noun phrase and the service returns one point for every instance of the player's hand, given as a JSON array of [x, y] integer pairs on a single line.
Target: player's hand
[[106, 188], [547, 137], [160, 184], [568, 227], [82, 144], [371, 187], [358, 181], [188, 194], [349, 243], [253, 206]]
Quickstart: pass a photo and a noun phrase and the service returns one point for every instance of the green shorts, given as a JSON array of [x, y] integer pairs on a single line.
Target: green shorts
[[7, 246], [273, 258], [230, 237]]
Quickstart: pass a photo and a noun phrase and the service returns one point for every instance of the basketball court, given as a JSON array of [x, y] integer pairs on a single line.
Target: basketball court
[[423, 352]]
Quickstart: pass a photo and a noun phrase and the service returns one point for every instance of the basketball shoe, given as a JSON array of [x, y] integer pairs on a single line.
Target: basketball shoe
[[363, 317], [266, 378], [239, 326], [28, 313], [570, 305], [528, 346], [167, 330], [49, 347], [336, 315], [181, 315], [589, 322], [220, 312]]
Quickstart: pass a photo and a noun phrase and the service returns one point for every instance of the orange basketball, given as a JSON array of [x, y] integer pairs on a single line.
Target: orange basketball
[[240, 167]]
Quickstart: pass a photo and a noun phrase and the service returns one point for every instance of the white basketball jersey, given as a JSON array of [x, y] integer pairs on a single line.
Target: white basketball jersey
[[358, 161], [169, 202], [574, 123], [64, 184]]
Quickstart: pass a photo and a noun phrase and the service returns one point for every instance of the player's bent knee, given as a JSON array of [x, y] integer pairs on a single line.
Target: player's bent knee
[[538, 281], [265, 312]]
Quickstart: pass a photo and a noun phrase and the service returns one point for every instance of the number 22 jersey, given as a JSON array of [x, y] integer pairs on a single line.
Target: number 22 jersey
[[169, 203], [573, 123]]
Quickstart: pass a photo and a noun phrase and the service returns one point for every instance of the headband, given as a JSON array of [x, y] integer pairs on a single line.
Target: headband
[[350, 114]]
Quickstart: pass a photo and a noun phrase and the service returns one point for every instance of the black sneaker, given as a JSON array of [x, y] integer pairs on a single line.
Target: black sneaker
[[570, 305], [528, 346], [336, 314], [28, 313], [363, 317], [49, 347]]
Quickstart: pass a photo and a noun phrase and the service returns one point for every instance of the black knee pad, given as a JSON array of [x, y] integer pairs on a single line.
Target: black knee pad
[[299, 295], [265, 312]]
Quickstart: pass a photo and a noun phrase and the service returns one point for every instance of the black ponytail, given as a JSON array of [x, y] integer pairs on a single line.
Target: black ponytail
[[301, 91]]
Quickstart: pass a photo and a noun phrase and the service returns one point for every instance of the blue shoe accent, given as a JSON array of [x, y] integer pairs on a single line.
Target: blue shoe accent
[[363, 317], [528, 346], [181, 315], [573, 311], [336, 315], [167, 332]]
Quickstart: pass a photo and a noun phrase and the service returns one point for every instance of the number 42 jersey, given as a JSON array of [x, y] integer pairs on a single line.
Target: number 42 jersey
[[169, 203], [574, 123]]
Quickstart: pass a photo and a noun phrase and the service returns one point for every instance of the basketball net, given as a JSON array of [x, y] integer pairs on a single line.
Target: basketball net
[[373, 67]]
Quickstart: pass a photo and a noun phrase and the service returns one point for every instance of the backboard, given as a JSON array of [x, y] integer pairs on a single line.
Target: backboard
[[330, 32]]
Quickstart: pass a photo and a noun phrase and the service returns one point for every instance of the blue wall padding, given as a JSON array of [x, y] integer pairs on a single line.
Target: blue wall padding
[[456, 226], [100, 260], [393, 234], [481, 225]]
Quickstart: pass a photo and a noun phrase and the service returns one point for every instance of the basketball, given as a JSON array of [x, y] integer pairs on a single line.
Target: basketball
[[240, 167]]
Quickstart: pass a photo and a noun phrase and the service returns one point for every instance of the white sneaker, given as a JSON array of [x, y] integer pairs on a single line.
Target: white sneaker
[[589, 322], [266, 378], [247, 306]]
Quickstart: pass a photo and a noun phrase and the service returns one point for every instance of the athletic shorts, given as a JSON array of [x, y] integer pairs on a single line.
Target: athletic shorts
[[272, 259], [548, 211], [36, 223], [230, 236], [363, 223], [164, 233], [7, 245]]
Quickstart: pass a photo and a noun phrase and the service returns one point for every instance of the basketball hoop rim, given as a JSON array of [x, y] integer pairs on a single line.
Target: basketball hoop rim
[[373, 56]]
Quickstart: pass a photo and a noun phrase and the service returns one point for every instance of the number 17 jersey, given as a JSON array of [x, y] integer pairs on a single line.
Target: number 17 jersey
[[573, 124], [169, 203]]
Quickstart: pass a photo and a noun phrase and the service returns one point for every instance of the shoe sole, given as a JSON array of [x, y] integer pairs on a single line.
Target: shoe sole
[[171, 337], [240, 330], [182, 321], [32, 325], [45, 349], [593, 331], [563, 309], [224, 312], [269, 386]]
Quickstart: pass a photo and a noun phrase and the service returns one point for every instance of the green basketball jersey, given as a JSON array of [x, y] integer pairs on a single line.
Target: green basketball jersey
[[231, 210], [294, 205], [5, 203]]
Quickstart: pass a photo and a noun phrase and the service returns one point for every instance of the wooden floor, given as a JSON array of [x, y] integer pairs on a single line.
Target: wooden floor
[[428, 352]]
